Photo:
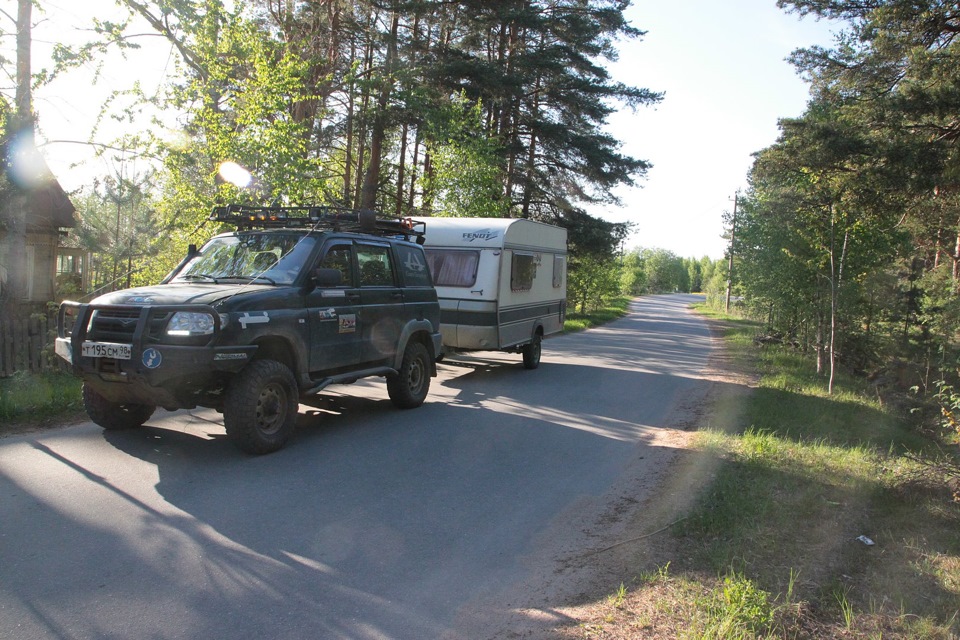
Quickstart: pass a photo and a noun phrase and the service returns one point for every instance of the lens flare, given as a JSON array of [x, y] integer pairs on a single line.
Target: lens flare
[[235, 174]]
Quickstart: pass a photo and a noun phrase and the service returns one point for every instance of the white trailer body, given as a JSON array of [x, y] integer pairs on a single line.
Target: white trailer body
[[502, 282]]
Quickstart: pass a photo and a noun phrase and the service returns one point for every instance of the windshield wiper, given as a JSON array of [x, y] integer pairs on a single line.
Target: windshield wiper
[[199, 276], [238, 276]]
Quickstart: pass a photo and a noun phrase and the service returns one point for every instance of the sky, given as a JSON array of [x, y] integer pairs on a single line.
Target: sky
[[721, 66]]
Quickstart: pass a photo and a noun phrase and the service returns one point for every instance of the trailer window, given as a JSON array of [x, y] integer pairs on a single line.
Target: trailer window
[[557, 271], [522, 272], [452, 267]]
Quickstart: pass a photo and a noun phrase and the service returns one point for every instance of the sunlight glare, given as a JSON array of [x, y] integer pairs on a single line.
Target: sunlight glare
[[235, 174]]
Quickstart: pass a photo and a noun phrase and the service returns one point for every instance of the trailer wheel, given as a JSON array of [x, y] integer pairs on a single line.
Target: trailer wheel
[[260, 407], [531, 352], [114, 415], [408, 389]]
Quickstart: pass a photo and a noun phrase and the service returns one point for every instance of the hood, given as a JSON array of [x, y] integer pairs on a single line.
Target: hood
[[191, 293]]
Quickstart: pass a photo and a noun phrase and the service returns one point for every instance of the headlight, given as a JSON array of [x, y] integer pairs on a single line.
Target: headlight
[[185, 323]]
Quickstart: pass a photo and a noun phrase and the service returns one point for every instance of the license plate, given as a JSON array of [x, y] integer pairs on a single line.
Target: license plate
[[106, 350]]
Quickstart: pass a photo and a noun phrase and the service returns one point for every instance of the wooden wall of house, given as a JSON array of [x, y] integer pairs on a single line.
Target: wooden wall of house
[[26, 342], [42, 265]]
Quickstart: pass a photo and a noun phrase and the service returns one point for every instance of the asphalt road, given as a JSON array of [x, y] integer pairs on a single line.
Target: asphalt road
[[371, 523]]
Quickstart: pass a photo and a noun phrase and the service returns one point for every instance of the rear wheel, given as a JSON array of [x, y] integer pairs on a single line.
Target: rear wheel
[[115, 415], [260, 407], [531, 352], [408, 389]]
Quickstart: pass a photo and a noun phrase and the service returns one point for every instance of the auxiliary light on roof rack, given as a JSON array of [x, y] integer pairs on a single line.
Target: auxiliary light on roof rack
[[318, 217]]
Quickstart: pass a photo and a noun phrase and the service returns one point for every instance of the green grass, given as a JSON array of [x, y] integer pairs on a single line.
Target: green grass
[[35, 398], [614, 309]]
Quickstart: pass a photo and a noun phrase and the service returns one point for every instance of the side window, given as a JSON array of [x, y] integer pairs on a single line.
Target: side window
[[375, 267], [338, 257], [413, 266], [523, 269], [452, 267], [558, 264]]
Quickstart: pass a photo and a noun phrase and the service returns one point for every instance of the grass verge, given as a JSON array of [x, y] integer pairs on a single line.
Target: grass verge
[[616, 308], [819, 519], [28, 401]]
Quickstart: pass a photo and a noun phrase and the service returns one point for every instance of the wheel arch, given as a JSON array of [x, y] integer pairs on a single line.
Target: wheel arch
[[417, 331], [279, 349]]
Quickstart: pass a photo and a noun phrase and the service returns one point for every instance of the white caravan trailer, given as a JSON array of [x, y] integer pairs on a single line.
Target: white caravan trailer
[[502, 282]]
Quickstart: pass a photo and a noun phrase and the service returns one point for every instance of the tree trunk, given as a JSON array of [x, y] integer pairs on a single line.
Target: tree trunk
[[835, 282], [348, 154], [401, 165], [956, 259], [371, 180], [833, 297], [13, 211]]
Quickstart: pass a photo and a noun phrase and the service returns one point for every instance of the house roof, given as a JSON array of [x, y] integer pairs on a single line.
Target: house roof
[[48, 205]]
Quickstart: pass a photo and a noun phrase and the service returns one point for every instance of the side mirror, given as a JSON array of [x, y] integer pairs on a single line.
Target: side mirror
[[327, 277]]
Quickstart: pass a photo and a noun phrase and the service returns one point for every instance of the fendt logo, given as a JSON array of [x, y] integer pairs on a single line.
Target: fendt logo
[[482, 234]]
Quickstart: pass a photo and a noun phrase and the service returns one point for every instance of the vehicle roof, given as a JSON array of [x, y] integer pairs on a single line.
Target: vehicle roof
[[493, 233], [315, 232]]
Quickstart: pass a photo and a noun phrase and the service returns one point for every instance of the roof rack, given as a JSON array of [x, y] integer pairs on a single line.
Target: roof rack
[[319, 217]]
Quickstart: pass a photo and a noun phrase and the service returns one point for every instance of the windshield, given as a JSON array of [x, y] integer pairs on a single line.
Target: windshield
[[262, 258]]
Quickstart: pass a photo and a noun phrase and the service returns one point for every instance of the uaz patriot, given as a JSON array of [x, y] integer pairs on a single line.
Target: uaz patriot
[[295, 299]]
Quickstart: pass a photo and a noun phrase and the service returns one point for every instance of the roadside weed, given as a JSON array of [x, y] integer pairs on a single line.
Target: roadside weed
[[619, 597], [846, 608]]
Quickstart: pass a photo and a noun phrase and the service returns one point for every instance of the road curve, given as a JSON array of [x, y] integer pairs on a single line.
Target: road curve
[[440, 522]]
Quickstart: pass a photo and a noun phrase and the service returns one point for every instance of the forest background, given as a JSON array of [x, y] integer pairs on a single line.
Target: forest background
[[847, 241], [463, 109]]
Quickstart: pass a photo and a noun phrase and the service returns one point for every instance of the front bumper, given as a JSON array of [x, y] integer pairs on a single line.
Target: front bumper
[[159, 370]]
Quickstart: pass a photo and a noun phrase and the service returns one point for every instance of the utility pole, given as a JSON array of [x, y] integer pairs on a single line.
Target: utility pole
[[733, 236]]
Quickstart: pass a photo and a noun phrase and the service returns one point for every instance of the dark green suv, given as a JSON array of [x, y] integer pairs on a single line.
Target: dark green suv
[[296, 299]]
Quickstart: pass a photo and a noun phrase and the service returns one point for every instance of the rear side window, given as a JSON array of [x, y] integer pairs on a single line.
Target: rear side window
[[375, 267], [453, 267], [413, 266]]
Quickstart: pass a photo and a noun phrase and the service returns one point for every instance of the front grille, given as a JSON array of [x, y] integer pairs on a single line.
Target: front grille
[[119, 325]]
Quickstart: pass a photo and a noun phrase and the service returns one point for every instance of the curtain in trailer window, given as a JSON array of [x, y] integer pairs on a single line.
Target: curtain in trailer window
[[452, 268]]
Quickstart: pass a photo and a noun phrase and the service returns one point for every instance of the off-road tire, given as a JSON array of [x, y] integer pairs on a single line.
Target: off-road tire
[[115, 415], [408, 389], [260, 406], [531, 352]]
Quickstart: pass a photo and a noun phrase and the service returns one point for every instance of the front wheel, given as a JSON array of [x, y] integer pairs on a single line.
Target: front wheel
[[115, 415], [260, 406], [531, 352], [408, 389]]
